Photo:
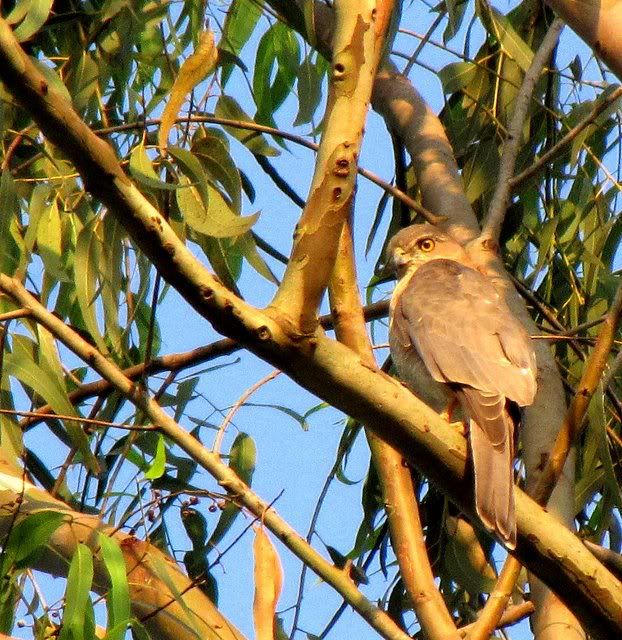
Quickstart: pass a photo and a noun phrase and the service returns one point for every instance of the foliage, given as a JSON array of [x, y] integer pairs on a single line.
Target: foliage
[[117, 63]]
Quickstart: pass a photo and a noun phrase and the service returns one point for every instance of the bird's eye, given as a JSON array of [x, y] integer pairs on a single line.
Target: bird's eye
[[426, 244]]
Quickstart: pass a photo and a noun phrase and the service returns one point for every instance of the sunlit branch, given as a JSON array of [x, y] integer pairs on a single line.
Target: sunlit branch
[[324, 367], [395, 479], [360, 28]]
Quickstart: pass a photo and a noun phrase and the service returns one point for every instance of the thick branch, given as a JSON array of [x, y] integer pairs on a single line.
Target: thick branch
[[360, 27], [599, 24], [211, 462]]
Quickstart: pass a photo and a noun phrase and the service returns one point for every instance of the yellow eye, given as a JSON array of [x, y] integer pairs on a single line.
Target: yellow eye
[[426, 244]]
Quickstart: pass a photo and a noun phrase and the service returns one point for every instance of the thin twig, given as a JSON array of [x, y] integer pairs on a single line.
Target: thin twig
[[498, 205], [561, 145], [234, 409]]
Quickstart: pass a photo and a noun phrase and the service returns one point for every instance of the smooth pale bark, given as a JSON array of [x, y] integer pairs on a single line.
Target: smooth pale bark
[[599, 23]]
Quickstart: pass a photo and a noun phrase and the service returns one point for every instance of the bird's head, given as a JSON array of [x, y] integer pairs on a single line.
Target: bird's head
[[420, 243]]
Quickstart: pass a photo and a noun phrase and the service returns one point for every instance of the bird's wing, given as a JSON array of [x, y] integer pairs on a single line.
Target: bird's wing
[[465, 333]]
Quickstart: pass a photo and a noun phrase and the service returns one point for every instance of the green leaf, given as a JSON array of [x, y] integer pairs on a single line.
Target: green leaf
[[28, 538], [86, 273], [481, 169], [498, 25], [141, 169], [203, 207], [21, 365], [83, 80], [224, 256], [161, 570], [310, 75], [195, 525], [256, 143], [455, 15], [50, 241], [242, 460], [240, 23], [156, 469], [12, 244], [79, 580], [118, 597], [277, 50], [300, 419], [185, 393], [248, 247], [219, 166], [52, 79], [457, 76], [35, 18]]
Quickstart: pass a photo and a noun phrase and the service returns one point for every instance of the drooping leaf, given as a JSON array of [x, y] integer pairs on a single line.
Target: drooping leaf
[[118, 596], [455, 15], [219, 166], [50, 241], [276, 66], [499, 26], [141, 169], [193, 71], [28, 537], [457, 76], [37, 13], [309, 77], [20, 363], [268, 583], [242, 18], [86, 273], [75, 624], [242, 460], [203, 207], [12, 245], [158, 465]]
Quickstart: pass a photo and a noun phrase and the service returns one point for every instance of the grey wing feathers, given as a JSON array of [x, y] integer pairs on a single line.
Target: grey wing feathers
[[465, 333]]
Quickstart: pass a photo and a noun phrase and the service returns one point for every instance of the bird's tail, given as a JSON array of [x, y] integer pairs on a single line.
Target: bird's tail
[[492, 447]]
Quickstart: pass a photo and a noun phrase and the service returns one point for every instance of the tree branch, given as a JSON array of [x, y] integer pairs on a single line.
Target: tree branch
[[599, 24], [360, 28], [175, 362], [501, 196], [184, 612]]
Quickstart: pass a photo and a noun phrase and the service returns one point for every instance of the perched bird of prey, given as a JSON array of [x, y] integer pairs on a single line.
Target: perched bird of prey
[[452, 333]]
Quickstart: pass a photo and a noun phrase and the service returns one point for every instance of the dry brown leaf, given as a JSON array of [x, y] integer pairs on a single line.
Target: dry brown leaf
[[268, 583], [194, 70]]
